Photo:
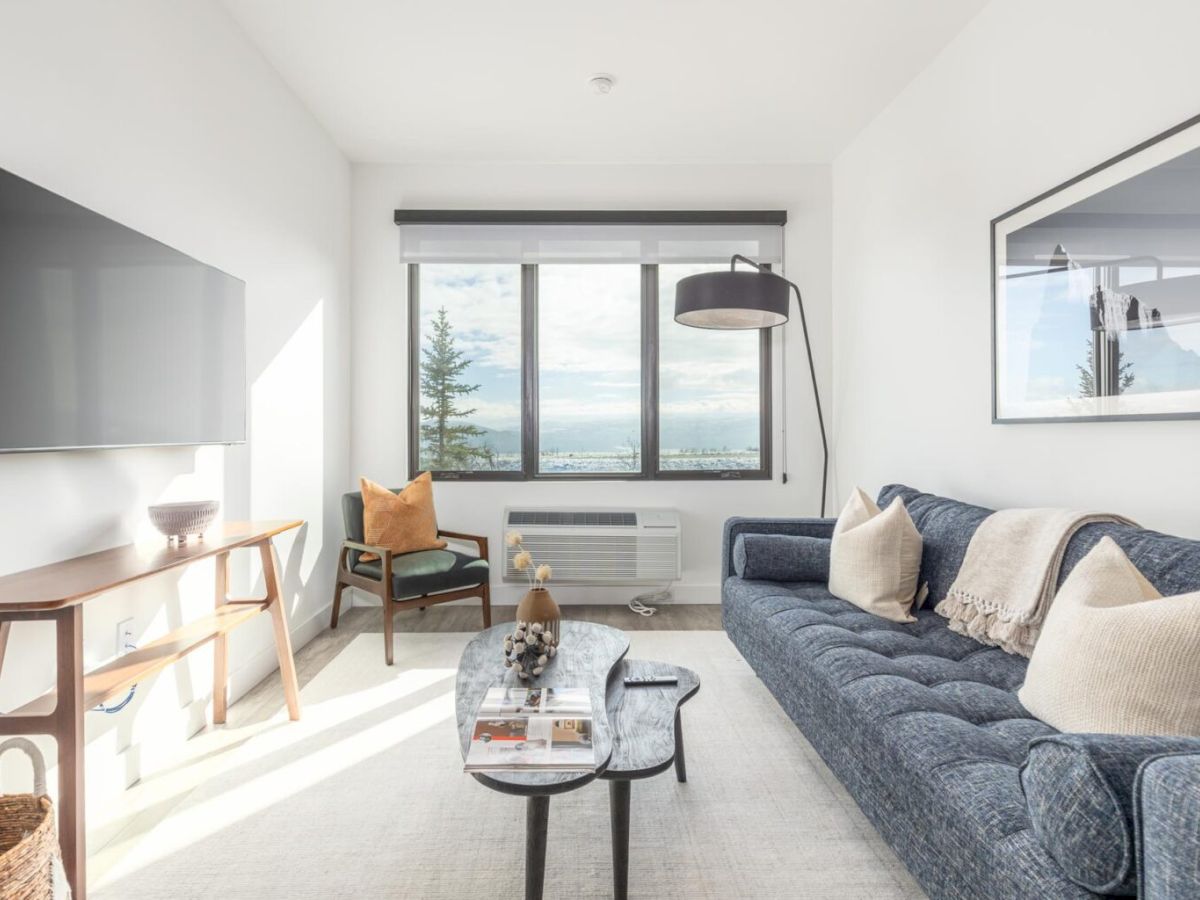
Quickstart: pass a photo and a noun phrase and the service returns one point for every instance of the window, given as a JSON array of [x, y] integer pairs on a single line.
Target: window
[[468, 367], [711, 411], [544, 346], [589, 369]]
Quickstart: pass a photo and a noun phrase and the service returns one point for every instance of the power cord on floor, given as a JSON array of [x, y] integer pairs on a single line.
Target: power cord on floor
[[641, 603]]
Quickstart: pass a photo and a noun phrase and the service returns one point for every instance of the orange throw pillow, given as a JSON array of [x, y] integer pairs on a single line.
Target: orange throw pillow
[[402, 522]]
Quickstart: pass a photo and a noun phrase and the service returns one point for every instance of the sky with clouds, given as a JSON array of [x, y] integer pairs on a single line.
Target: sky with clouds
[[589, 355]]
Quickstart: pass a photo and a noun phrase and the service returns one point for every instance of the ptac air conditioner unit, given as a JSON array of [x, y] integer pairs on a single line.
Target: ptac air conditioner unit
[[598, 546]]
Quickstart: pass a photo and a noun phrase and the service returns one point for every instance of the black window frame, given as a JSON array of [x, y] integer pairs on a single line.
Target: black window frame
[[650, 461]]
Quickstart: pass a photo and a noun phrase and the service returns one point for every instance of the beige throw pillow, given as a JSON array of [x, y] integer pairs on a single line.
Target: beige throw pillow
[[875, 560], [1116, 656]]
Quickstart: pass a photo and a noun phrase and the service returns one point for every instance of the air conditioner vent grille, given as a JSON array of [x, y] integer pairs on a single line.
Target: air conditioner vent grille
[[599, 546], [572, 519]]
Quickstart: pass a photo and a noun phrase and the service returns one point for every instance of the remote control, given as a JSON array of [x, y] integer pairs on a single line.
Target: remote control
[[650, 680]]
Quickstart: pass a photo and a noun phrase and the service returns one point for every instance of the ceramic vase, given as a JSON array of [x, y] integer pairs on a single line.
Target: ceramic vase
[[539, 606]]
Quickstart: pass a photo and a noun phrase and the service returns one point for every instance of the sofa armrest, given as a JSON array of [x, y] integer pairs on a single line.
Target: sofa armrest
[[821, 528], [1167, 797], [1080, 793]]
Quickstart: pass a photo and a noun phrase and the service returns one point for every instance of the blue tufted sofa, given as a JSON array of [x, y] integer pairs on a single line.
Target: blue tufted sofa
[[924, 728]]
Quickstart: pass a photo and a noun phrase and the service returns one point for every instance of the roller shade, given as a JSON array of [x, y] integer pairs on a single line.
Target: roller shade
[[588, 243]]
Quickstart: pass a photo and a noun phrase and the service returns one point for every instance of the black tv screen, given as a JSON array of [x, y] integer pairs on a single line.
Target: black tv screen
[[109, 338]]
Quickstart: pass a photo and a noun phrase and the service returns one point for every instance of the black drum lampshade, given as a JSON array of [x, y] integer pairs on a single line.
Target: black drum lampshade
[[732, 300]]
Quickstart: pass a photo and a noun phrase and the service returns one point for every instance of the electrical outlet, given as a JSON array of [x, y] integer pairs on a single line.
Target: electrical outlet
[[124, 636]]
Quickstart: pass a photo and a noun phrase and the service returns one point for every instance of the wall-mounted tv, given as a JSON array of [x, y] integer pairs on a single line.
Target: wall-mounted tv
[[109, 338]]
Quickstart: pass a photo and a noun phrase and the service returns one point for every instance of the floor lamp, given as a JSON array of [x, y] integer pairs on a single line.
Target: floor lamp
[[741, 299]]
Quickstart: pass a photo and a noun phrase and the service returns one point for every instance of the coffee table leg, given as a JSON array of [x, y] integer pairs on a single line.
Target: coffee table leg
[[680, 762], [618, 798], [537, 815]]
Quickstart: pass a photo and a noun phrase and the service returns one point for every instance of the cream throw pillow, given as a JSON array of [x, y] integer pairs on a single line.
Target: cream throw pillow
[[1116, 656], [875, 559]]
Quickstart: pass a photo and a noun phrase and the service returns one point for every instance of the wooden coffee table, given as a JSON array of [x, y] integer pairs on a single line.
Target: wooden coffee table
[[635, 731]]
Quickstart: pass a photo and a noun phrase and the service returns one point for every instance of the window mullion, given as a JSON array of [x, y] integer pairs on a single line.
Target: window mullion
[[649, 371], [529, 372], [414, 371], [766, 435], [765, 401]]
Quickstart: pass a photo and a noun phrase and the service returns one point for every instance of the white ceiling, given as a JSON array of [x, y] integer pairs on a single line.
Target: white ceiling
[[505, 80]]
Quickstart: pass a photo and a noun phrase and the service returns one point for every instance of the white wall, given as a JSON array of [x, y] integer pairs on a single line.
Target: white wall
[[164, 117], [379, 448], [1028, 95]]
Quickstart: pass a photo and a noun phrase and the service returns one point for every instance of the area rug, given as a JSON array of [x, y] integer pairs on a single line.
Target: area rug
[[365, 798]]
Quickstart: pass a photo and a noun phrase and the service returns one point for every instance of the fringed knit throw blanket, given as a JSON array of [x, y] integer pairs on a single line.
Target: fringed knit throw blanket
[[1008, 576]]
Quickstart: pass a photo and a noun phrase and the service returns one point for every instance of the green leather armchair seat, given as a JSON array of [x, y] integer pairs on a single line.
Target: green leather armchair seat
[[428, 572]]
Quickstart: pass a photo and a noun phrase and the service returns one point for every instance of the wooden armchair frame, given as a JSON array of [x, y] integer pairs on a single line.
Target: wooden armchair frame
[[383, 587]]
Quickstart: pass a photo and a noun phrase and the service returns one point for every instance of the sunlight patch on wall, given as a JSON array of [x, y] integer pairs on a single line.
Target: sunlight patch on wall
[[287, 431]]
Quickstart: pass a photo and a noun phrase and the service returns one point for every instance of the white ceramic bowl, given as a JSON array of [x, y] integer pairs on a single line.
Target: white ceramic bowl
[[178, 520]]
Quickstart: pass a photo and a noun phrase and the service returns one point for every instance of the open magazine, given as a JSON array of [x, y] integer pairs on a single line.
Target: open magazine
[[541, 729]]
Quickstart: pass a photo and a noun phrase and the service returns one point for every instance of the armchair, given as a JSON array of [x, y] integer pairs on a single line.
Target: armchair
[[408, 580]]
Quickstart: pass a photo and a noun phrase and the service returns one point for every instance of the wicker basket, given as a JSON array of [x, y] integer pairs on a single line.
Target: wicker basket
[[30, 866]]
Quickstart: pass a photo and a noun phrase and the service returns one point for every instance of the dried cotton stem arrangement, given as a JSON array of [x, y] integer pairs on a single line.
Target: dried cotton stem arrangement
[[528, 649]]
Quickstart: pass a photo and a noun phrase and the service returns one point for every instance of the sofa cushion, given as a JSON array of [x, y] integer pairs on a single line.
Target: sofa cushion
[[1079, 792], [937, 696], [781, 557], [428, 572]]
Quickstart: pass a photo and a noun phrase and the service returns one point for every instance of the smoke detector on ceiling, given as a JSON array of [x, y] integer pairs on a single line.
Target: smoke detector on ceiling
[[601, 83]]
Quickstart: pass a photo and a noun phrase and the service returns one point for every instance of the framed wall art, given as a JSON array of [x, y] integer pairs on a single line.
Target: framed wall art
[[1096, 292]]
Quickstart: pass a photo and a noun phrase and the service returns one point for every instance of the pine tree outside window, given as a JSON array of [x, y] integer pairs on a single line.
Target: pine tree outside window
[[448, 439]]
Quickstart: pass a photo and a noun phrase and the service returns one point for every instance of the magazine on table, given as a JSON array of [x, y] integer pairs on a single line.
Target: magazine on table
[[533, 729]]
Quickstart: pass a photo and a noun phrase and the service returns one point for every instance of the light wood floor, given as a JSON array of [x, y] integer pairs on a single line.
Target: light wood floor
[[266, 698]]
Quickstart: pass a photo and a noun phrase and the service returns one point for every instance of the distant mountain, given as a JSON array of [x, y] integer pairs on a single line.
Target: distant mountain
[[506, 441], [690, 433], [597, 435]]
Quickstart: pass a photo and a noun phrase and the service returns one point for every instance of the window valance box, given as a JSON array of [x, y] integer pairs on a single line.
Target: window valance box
[[603, 236]]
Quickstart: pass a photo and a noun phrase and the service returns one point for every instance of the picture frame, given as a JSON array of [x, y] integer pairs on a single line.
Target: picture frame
[[1096, 291]]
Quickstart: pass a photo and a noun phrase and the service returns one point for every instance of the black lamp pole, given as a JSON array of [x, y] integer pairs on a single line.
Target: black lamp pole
[[748, 300]]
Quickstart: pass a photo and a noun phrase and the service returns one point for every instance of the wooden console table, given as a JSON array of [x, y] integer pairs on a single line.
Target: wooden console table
[[58, 591]]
